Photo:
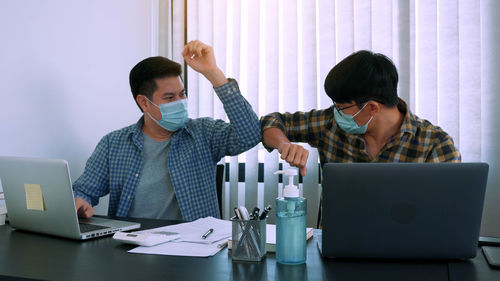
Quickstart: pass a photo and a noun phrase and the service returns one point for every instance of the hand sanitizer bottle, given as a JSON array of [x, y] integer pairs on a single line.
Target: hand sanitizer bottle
[[290, 223]]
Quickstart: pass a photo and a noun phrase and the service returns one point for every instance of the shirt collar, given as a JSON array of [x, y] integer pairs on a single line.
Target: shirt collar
[[409, 121], [138, 134]]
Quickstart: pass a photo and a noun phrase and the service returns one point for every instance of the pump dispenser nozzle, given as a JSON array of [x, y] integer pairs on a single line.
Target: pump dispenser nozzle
[[290, 190]]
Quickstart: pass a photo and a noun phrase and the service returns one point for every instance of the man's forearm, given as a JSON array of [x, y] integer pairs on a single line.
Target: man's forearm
[[273, 137], [216, 77]]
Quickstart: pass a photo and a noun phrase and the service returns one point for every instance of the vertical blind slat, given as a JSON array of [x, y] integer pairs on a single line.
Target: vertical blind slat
[[382, 27], [426, 60], [344, 29], [469, 79], [362, 24], [250, 55], [448, 67]]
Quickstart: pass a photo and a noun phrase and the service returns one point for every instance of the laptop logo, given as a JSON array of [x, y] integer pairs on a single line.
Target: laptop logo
[[403, 213]]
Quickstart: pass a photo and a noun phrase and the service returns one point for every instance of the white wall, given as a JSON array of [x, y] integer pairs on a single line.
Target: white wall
[[64, 69]]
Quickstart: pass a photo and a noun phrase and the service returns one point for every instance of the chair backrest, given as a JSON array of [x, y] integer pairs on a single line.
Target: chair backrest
[[253, 184], [219, 180]]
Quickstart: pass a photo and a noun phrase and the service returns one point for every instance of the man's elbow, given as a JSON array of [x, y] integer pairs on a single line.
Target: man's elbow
[[255, 138]]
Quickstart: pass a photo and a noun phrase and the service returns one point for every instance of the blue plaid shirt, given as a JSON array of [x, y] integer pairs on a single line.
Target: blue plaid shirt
[[115, 165]]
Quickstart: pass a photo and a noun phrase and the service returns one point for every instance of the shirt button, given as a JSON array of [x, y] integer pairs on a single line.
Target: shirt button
[[128, 197], [136, 175]]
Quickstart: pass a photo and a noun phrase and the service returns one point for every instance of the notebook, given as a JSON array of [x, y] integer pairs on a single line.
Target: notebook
[[402, 210], [39, 198]]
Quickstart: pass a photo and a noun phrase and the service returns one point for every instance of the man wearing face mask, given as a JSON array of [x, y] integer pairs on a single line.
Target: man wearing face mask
[[163, 166], [366, 123]]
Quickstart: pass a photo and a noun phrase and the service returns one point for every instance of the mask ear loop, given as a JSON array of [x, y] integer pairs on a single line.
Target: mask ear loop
[[360, 110], [149, 114], [371, 117], [368, 121], [152, 102]]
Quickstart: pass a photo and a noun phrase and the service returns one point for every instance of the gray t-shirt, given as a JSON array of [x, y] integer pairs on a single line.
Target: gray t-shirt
[[154, 195]]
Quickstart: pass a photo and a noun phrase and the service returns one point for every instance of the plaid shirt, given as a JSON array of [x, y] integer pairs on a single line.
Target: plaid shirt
[[115, 165], [417, 141]]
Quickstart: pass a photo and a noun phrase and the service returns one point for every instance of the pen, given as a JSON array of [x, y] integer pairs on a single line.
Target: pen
[[244, 213], [207, 233], [265, 212], [255, 214], [237, 213]]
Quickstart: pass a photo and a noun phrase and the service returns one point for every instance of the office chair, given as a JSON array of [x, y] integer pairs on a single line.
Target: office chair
[[219, 181]]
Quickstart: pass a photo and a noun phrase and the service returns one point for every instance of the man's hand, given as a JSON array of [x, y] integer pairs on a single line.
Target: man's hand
[[201, 58], [83, 208], [295, 155]]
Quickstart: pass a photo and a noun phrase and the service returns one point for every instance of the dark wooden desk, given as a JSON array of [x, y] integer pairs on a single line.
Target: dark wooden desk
[[35, 256]]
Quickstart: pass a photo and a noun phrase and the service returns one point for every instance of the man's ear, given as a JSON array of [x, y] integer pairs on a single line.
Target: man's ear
[[374, 107], [142, 101]]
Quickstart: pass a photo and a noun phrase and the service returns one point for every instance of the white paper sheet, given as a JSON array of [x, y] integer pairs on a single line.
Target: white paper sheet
[[191, 242]]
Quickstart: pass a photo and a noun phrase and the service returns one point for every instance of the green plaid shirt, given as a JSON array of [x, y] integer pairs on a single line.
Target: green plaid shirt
[[417, 141]]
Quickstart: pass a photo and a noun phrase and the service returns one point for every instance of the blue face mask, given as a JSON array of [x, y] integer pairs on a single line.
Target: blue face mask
[[346, 122], [173, 114]]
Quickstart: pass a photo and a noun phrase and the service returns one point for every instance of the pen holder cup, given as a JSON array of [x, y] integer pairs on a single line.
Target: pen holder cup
[[249, 240]]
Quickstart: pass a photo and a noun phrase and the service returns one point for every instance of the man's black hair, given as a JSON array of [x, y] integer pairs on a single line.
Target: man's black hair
[[142, 76], [361, 77]]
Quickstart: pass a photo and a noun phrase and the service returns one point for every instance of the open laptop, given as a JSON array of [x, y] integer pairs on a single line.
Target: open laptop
[[402, 210], [39, 198]]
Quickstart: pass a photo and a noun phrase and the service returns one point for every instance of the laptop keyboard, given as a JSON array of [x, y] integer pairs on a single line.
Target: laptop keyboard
[[85, 227]]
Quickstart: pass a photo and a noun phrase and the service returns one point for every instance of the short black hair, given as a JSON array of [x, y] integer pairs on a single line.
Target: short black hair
[[363, 76], [142, 76]]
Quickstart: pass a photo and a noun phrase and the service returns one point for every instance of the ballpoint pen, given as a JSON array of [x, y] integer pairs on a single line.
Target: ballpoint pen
[[255, 214], [204, 236], [265, 212], [237, 213], [244, 213]]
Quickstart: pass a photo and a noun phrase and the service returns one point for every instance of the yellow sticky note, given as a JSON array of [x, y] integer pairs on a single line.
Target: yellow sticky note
[[34, 197]]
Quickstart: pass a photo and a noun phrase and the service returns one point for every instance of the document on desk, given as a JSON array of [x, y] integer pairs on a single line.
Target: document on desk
[[191, 242]]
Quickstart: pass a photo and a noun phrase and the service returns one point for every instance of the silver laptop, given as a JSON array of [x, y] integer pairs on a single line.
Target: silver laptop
[[402, 210], [39, 198]]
